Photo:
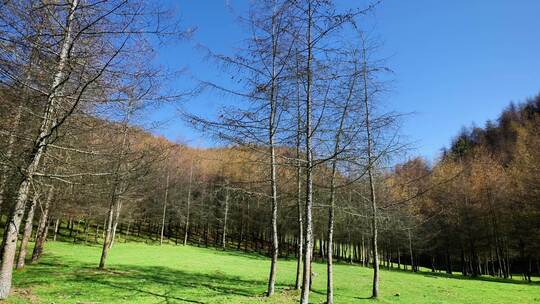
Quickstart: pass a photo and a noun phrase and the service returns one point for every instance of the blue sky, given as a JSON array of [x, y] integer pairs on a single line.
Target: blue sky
[[455, 62]]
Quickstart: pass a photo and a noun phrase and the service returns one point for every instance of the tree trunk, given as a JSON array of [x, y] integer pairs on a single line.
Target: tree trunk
[[41, 233], [96, 236], [330, 243], [306, 282], [164, 209], [107, 229], [300, 246], [86, 225], [27, 232], [273, 165], [56, 225], [398, 258], [364, 259], [375, 290], [242, 224], [330, 253], [273, 186], [127, 231], [116, 220], [411, 251], [247, 225], [225, 217], [186, 226]]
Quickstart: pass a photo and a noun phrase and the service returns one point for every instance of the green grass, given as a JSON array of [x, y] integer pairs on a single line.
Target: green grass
[[141, 273]]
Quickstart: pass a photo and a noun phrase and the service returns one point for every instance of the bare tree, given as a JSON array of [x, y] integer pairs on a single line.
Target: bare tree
[[263, 64], [50, 122], [319, 21]]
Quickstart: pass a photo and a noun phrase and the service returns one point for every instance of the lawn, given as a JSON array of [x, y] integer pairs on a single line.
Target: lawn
[[141, 273]]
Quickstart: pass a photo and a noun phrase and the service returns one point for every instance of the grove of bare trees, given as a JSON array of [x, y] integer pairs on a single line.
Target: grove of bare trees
[[304, 164]]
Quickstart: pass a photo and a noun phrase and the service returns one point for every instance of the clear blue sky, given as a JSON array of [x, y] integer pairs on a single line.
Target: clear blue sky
[[455, 62]]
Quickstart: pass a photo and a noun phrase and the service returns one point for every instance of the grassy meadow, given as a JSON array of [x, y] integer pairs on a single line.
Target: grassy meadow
[[142, 273]]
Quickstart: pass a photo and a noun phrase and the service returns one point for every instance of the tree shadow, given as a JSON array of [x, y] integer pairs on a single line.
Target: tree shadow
[[458, 276], [238, 253], [130, 283], [477, 278], [365, 298]]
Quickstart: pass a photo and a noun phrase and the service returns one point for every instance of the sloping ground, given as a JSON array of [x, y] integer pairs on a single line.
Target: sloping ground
[[140, 273]]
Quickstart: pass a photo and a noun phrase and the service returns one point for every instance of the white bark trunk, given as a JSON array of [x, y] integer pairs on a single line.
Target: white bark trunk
[[308, 238], [225, 216], [273, 165], [116, 218], [164, 210]]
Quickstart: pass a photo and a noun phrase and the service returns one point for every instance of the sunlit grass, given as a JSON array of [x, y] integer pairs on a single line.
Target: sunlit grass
[[141, 273]]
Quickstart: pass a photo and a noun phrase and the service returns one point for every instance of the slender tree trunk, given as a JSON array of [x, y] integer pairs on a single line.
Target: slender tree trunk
[[41, 233], [330, 253], [298, 139], [111, 222], [164, 209], [273, 164], [56, 225], [364, 261], [247, 225], [186, 226], [86, 225], [308, 237], [330, 236], [375, 291], [411, 251], [96, 237], [107, 229], [300, 228], [76, 231], [225, 217], [241, 233], [70, 226], [116, 219], [27, 232], [127, 231]]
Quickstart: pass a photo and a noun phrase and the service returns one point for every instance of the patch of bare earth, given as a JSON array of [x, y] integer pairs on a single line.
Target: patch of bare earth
[[25, 294]]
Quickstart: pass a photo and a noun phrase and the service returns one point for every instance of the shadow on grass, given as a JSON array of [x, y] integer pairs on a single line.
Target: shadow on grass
[[478, 278], [430, 274], [236, 253], [131, 283], [76, 281]]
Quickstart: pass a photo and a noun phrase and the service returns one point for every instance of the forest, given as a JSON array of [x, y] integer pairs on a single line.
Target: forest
[[305, 166]]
